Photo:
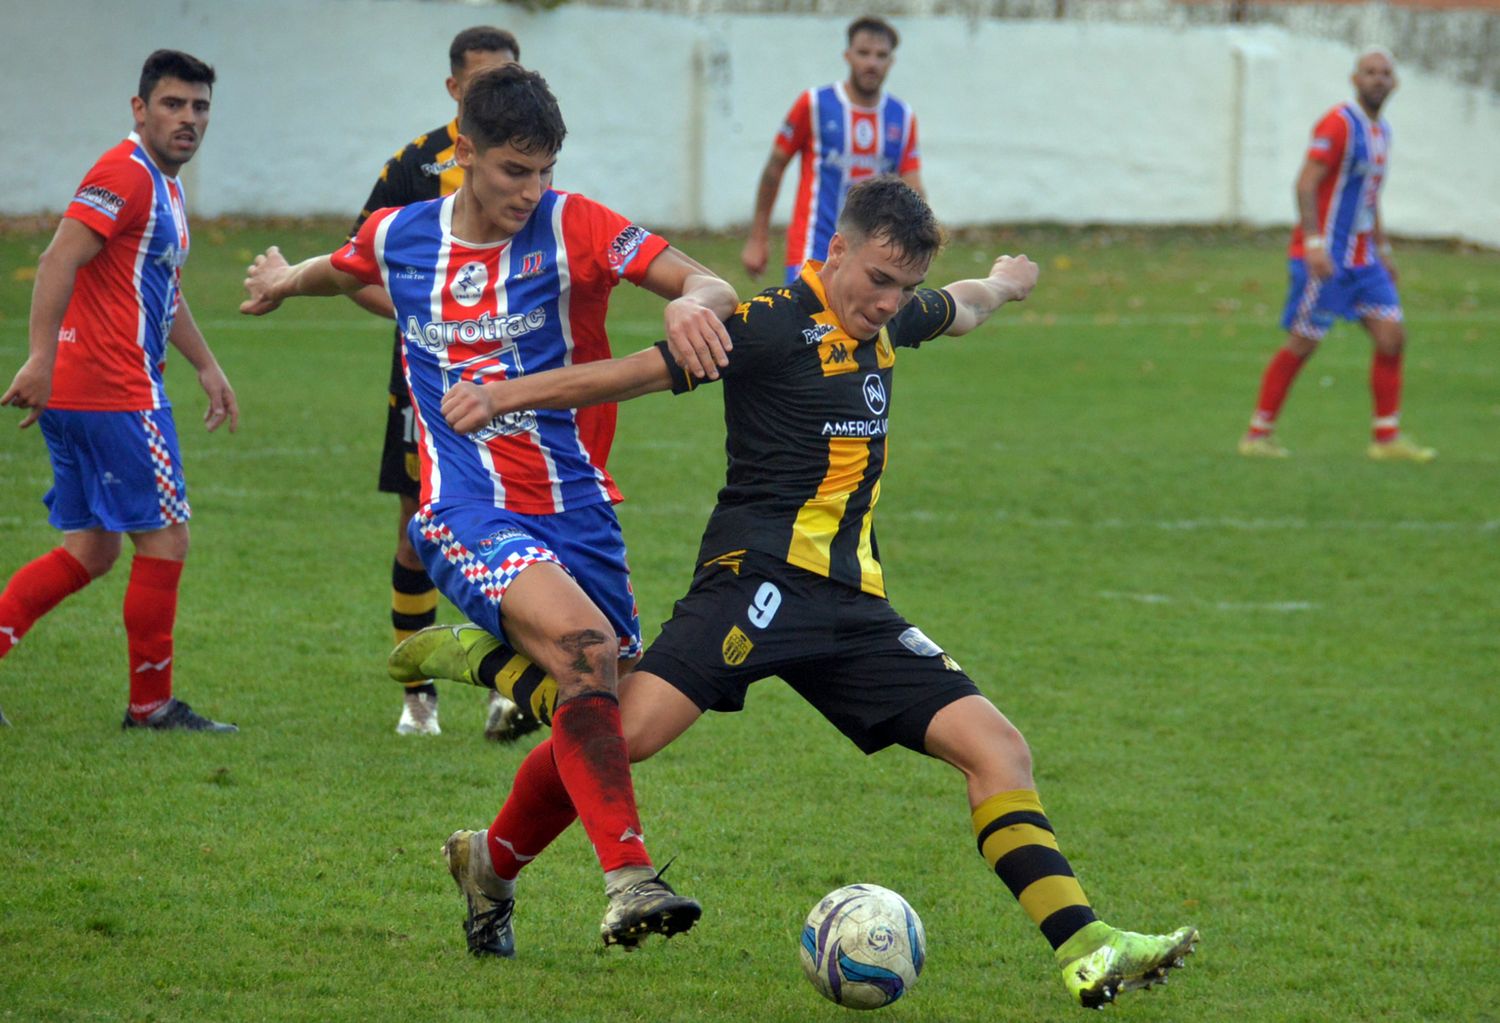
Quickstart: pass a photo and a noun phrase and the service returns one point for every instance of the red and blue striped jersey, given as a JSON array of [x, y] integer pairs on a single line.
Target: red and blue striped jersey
[[112, 346], [482, 312], [840, 143], [1355, 149]]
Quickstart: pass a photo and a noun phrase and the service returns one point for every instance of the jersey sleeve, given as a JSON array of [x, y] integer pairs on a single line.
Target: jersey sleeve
[[357, 257], [114, 195], [926, 316], [911, 156], [758, 328], [624, 250], [1328, 140], [797, 127]]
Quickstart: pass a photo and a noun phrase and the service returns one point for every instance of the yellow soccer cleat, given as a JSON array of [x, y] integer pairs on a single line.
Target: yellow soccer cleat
[[453, 652], [1100, 961], [1401, 449], [1262, 447]]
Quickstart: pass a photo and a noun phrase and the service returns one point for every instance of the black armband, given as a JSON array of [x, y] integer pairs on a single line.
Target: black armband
[[682, 381]]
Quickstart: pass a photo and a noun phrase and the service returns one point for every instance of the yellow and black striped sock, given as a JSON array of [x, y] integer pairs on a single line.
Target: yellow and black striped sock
[[1016, 839], [513, 674], [413, 606]]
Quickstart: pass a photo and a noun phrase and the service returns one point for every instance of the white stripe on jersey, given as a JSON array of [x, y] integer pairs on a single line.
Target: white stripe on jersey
[[136, 285], [814, 173], [565, 322]]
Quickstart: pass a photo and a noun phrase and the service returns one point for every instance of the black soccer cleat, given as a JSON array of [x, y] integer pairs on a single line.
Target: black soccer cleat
[[174, 715], [644, 907]]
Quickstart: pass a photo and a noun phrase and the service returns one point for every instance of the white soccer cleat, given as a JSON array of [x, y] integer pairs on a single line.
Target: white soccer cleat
[[419, 715]]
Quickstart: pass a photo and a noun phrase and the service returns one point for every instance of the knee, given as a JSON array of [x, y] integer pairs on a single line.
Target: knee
[[584, 654], [97, 563]]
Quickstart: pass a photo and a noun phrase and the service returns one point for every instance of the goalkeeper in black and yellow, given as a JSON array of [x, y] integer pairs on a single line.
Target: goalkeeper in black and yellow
[[790, 549]]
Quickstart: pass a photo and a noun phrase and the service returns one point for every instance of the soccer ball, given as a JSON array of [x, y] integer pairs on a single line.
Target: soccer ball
[[863, 946]]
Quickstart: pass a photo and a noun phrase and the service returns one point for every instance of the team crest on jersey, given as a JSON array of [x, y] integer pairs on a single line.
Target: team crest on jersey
[[469, 284], [875, 394], [817, 332], [531, 266], [893, 133], [736, 647], [864, 134]]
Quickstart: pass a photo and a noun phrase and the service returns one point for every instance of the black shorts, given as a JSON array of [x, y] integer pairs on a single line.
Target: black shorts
[[400, 469], [869, 671]]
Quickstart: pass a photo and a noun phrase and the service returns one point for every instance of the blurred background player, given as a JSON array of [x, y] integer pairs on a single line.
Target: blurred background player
[[1341, 264], [106, 302], [423, 169], [516, 524], [843, 133]]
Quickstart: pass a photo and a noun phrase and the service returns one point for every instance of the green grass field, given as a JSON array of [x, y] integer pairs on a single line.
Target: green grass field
[[1261, 697]]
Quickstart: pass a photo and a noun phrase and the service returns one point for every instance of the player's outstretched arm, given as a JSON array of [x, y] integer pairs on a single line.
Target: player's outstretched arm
[[1011, 280], [71, 247], [269, 281], [189, 340], [700, 302], [757, 250], [468, 406]]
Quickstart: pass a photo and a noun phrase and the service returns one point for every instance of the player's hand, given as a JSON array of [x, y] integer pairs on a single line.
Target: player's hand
[[1016, 275], [696, 338], [1390, 267], [30, 390], [261, 279], [222, 405], [1319, 263], [753, 257], [468, 406]]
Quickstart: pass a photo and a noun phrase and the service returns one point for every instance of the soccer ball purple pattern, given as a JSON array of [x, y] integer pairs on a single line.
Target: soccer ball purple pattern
[[863, 946]]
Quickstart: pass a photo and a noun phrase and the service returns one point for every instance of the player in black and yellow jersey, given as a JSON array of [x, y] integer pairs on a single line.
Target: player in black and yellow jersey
[[789, 580], [425, 168]]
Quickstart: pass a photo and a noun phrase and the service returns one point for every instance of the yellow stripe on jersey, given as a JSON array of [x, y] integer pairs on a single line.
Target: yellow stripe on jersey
[[818, 520]]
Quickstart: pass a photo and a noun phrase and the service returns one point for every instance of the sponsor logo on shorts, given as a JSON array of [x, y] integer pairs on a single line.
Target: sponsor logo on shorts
[[915, 641], [469, 284], [490, 545], [736, 647], [950, 663]]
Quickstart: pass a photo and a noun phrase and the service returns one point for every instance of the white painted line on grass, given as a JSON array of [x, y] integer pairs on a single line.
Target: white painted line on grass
[[1278, 606]]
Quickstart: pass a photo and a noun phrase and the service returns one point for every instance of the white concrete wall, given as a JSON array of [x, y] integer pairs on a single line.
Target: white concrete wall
[[670, 116]]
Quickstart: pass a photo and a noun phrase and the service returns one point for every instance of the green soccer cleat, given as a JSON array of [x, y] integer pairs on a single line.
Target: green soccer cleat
[[642, 904], [1401, 449], [1100, 961], [487, 922], [453, 652], [1262, 447]]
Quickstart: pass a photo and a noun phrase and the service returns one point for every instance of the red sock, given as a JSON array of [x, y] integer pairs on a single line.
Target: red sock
[[35, 589], [1385, 385], [591, 760], [150, 613], [536, 812], [1274, 386]]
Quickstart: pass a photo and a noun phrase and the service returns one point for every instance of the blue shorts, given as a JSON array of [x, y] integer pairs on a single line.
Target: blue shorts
[[473, 551], [120, 471], [1353, 293]]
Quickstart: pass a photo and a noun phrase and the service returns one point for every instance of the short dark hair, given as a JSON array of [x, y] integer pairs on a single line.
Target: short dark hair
[[879, 26], [483, 39], [887, 207], [511, 104], [173, 64]]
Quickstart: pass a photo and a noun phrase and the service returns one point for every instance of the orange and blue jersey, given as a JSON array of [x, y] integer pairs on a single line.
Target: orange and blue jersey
[[112, 345], [1355, 148], [840, 143], [481, 312]]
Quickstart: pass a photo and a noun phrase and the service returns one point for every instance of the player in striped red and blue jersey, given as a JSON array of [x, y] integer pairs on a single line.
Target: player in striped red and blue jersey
[[106, 303], [516, 525], [1340, 264], [843, 133]]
